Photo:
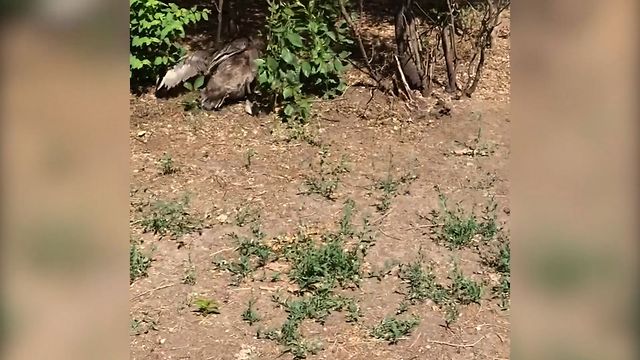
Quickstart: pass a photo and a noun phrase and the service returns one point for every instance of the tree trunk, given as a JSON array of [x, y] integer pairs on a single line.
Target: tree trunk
[[409, 48], [450, 57]]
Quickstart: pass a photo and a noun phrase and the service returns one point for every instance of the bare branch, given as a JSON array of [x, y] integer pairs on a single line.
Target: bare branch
[[356, 33], [219, 7]]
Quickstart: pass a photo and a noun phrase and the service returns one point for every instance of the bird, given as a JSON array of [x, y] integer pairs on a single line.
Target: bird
[[231, 71]]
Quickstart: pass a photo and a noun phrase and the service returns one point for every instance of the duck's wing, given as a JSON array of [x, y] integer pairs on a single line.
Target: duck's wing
[[189, 67], [233, 48]]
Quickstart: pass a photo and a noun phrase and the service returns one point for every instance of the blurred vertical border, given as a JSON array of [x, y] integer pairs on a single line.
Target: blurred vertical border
[[65, 179], [575, 179]]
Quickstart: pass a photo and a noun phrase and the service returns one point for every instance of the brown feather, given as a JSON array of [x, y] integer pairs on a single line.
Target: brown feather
[[232, 78]]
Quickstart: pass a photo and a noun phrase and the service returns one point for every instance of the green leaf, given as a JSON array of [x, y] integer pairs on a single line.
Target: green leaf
[[199, 82], [272, 64], [306, 68], [287, 56], [287, 93], [188, 86], [134, 62], [289, 110], [294, 39]]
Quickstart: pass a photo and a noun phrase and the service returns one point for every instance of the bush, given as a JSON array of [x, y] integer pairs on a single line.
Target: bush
[[154, 29], [305, 55]]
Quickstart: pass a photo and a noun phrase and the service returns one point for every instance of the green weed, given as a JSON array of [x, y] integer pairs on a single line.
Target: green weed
[[143, 325], [167, 166], [206, 307], [422, 285], [139, 262], [457, 228], [248, 157], [390, 186], [326, 182], [463, 289], [171, 218], [189, 277], [250, 315], [393, 329]]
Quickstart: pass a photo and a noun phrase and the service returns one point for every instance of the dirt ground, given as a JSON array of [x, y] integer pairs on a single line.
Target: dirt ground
[[228, 161]]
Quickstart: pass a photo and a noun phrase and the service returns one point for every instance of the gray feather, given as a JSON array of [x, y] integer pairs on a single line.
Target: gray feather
[[190, 66]]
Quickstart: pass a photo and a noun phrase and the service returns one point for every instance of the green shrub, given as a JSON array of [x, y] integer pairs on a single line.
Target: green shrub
[[305, 55], [154, 28]]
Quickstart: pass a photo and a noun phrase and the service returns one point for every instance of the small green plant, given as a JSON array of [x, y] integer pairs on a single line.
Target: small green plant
[[392, 329], [306, 55], [143, 325], [154, 30], [457, 228], [422, 285], [501, 263], [189, 277], [324, 266], [326, 182], [354, 313], [390, 187], [206, 307], [250, 315], [254, 247], [249, 155], [402, 308], [253, 253], [317, 307], [171, 218], [167, 166], [139, 262], [246, 214], [463, 289]]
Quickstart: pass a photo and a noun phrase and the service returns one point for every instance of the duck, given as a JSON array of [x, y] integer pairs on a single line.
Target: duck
[[231, 71]]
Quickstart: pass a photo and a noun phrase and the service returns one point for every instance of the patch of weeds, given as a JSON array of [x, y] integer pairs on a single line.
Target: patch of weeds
[[189, 277], [402, 308], [322, 186], [301, 132], [254, 247], [390, 187], [248, 157], [171, 218], [463, 289], [501, 263], [422, 285], [317, 266], [253, 255], [315, 307], [206, 307], [240, 268], [167, 165], [143, 325], [451, 313], [250, 315], [392, 329], [139, 262], [326, 182], [325, 265], [354, 313], [457, 228]]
